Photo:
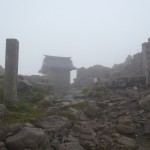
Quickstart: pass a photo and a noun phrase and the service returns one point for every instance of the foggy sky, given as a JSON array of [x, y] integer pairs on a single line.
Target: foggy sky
[[90, 31]]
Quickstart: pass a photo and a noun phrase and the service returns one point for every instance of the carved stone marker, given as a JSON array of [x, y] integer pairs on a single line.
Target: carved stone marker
[[11, 69], [146, 60]]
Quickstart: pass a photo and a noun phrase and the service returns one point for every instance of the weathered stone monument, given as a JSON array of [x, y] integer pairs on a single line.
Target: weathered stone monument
[[11, 69], [146, 60]]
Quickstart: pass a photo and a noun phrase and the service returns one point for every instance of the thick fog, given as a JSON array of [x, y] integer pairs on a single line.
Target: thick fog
[[90, 31]]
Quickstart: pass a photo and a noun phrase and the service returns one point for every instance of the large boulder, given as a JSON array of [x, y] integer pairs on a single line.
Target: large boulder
[[128, 143], [124, 129], [2, 111], [28, 138]]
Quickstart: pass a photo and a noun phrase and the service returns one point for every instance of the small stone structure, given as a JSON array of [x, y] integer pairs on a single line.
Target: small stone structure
[[57, 70], [87, 76], [11, 69], [146, 58]]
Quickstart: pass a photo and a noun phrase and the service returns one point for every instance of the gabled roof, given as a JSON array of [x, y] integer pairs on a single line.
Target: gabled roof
[[55, 62]]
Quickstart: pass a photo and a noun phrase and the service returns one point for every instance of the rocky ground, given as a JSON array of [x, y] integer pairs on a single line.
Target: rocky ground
[[119, 121]]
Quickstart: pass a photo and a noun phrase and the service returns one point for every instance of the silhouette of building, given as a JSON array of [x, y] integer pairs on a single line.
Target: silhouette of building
[[57, 70]]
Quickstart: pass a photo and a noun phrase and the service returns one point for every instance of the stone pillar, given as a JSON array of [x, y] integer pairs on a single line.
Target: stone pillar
[[146, 60], [11, 69]]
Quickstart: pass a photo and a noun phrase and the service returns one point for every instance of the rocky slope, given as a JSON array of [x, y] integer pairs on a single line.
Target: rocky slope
[[119, 121]]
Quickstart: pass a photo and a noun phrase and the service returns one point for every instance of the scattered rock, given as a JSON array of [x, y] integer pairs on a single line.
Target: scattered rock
[[74, 112], [64, 104], [105, 143], [124, 129], [28, 138], [86, 136], [44, 104], [125, 120], [127, 142], [71, 146], [30, 125], [54, 122], [80, 96], [92, 112], [93, 127], [53, 110], [74, 93]]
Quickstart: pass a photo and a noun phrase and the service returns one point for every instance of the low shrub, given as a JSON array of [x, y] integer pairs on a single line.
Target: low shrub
[[36, 93], [20, 112], [96, 90]]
